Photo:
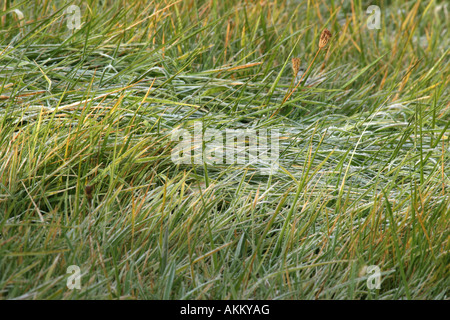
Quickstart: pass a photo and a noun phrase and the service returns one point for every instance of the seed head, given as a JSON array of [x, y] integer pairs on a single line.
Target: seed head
[[324, 38], [295, 66], [88, 191]]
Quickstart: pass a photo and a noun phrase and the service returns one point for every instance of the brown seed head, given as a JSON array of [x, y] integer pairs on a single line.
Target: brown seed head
[[88, 189], [324, 38], [295, 65]]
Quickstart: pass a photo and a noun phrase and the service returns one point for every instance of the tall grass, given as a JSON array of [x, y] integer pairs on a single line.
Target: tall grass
[[86, 176]]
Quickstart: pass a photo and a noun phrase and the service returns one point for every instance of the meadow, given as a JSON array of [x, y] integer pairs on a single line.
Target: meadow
[[88, 105]]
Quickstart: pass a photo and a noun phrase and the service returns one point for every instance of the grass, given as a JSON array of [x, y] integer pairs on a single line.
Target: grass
[[86, 176]]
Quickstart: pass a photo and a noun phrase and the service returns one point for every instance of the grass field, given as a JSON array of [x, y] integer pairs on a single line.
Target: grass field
[[87, 178]]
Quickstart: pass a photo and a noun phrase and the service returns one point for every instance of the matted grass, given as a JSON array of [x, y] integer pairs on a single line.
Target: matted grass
[[86, 176]]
